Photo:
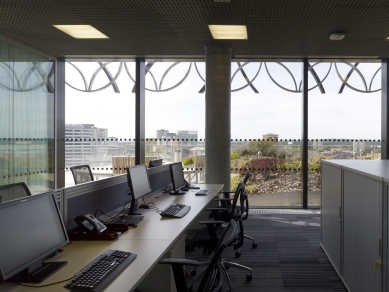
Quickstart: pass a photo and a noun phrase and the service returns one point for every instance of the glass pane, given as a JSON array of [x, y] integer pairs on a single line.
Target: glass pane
[[175, 115], [26, 118], [266, 112], [100, 117], [344, 116]]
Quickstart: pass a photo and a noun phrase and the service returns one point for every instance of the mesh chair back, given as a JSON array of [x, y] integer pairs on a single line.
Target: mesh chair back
[[81, 174], [238, 192], [13, 191], [246, 177], [214, 269]]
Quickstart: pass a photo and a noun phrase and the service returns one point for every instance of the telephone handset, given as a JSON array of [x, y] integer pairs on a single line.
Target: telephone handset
[[90, 223]]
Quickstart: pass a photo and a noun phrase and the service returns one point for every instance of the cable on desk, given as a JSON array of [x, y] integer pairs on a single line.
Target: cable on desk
[[110, 218], [43, 285], [152, 206]]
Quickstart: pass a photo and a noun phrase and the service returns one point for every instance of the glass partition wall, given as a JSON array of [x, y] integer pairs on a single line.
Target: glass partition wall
[[27, 151]]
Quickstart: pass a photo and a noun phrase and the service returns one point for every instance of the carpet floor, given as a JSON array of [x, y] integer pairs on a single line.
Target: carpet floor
[[288, 256]]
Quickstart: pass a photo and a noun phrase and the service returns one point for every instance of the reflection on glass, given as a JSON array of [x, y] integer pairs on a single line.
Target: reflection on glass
[[26, 118]]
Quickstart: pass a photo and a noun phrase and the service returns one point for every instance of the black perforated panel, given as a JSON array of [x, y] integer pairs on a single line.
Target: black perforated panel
[[178, 27]]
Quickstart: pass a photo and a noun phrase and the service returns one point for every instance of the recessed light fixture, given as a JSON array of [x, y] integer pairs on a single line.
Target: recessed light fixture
[[337, 36], [228, 32], [81, 31]]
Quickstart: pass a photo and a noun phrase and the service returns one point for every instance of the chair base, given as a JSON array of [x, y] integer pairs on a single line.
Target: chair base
[[254, 244]]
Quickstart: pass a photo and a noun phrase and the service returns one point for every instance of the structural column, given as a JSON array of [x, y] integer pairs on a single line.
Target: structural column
[[384, 109], [140, 111], [217, 115]]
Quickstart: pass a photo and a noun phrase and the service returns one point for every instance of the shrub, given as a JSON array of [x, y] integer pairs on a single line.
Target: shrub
[[188, 161], [234, 155]]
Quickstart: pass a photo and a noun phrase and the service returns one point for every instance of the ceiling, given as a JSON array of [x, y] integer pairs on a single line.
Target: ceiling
[[166, 28]]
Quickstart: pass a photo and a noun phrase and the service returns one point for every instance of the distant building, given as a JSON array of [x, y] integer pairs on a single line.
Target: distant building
[[182, 140], [270, 137], [161, 133], [317, 145], [358, 146], [85, 144]]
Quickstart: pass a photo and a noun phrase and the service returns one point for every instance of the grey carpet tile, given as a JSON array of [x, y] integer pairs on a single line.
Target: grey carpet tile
[[288, 256]]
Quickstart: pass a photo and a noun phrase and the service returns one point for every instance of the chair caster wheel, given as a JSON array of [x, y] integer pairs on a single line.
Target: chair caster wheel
[[238, 254], [249, 277], [193, 272], [254, 245]]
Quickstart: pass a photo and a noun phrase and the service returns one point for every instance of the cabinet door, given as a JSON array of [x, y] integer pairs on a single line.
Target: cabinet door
[[362, 225], [331, 200]]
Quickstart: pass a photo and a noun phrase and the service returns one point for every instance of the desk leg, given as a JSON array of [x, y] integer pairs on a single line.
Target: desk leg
[[160, 278]]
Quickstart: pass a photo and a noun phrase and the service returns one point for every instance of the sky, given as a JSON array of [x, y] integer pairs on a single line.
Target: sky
[[350, 115]]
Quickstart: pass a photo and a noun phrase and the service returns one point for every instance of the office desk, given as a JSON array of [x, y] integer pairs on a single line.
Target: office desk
[[153, 239]]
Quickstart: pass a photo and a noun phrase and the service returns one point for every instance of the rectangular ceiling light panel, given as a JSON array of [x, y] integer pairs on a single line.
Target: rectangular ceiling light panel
[[228, 32], [81, 31]]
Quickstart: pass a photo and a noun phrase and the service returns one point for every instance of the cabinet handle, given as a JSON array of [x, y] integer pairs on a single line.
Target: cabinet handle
[[378, 264]]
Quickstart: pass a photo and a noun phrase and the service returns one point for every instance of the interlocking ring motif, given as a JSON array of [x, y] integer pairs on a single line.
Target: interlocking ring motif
[[21, 79], [102, 66], [158, 87]]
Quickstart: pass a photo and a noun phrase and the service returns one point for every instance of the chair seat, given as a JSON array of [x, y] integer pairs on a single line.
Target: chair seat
[[202, 238]]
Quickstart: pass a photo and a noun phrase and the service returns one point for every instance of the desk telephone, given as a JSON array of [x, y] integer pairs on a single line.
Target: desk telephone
[[89, 223]]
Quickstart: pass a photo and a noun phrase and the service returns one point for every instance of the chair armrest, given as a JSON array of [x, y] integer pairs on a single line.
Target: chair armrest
[[212, 222], [180, 262]]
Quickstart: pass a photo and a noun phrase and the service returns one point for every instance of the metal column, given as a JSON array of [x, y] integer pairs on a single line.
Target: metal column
[[140, 112], [304, 137], [60, 123]]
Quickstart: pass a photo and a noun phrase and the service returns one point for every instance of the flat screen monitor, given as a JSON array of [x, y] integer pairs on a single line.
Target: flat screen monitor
[[155, 162], [177, 176], [138, 181], [31, 229]]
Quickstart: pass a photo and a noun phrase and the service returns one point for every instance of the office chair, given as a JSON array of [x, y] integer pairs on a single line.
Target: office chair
[[81, 174], [232, 207], [208, 237], [13, 191], [212, 277]]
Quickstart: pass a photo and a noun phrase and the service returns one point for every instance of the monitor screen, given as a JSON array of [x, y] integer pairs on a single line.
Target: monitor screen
[[31, 229], [177, 176], [138, 180], [155, 162]]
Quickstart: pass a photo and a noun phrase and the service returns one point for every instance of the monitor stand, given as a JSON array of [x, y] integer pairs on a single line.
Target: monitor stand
[[37, 272], [178, 192], [135, 210]]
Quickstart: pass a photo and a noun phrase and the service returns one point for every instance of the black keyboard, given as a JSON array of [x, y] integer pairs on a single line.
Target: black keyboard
[[99, 273], [175, 211], [128, 220]]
